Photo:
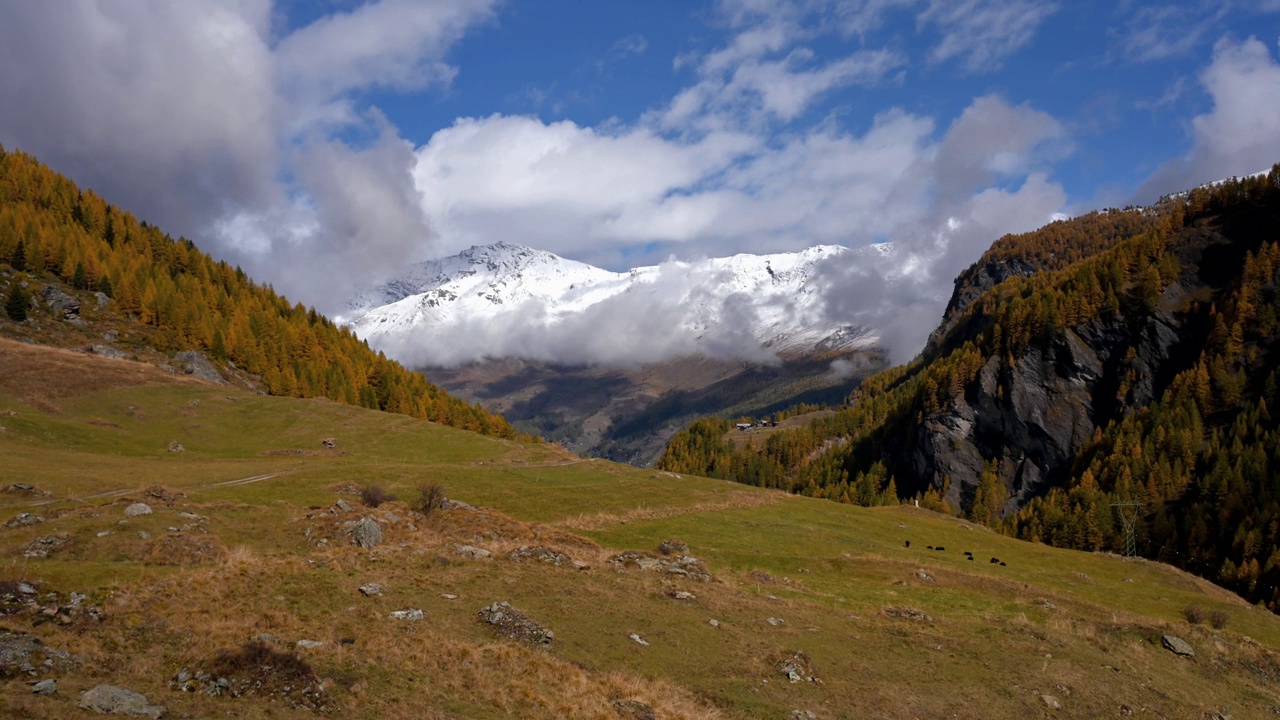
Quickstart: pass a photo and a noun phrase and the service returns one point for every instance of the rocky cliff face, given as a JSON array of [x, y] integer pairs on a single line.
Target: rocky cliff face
[[1034, 413]]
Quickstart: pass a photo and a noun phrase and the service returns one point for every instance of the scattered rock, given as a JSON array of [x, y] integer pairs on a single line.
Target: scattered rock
[[308, 644], [195, 363], [329, 442], [640, 640], [1051, 702], [1178, 646], [144, 535], [448, 596], [670, 547], [43, 546], [370, 589], [138, 508], [410, 614], [803, 715], [474, 553], [924, 576], [112, 700], [21, 654], [26, 488], [775, 621], [714, 623], [48, 686], [510, 622], [24, 519], [682, 565], [540, 553], [343, 505], [681, 595], [451, 504], [259, 670], [366, 533], [907, 613], [176, 447], [107, 351], [797, 667], [634, 710], [60, 302]]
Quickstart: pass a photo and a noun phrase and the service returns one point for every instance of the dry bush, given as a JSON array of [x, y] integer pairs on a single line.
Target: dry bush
[[374, 495], [1194, 614], [1218, 619], [430, 498]]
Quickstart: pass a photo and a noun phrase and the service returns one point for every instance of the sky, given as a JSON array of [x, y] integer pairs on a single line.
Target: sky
[[324, 144]]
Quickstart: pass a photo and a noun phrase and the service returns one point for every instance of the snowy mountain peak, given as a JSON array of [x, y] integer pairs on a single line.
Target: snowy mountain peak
[[508, 300]]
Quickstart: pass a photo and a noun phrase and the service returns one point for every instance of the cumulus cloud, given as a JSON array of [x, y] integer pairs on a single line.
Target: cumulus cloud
[[1241, 134], [197, 117]]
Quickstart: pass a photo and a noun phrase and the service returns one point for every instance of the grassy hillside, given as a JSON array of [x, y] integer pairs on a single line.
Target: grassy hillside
[[247, 537], [108, 272], [1079, 366]]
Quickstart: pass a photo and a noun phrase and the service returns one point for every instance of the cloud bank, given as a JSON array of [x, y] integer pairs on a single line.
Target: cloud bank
[[217, 120]]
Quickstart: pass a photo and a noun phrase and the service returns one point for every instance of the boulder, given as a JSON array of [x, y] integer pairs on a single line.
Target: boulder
[[797, 667], [102, 299], [23, 520], [329, 442], [370, 589], [138, 508], [474, 553], [366, 533], [112, 700], [176, 447], [44, 545], [1177, 646], [48, 686], [195, 363], [60, 302], [634, 710], [540, 553], [409, 614]]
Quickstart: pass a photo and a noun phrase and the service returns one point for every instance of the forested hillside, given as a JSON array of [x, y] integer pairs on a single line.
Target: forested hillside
[[1129, 356], [50, 230]]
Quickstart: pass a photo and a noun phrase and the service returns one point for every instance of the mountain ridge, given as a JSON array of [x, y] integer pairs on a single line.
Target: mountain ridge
[[746, 306]]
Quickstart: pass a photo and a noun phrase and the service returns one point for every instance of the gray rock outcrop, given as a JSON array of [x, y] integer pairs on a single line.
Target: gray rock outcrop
[[138, 508], [113, 700], [60, 302], [366, 533], [195, 363], [510, 622]]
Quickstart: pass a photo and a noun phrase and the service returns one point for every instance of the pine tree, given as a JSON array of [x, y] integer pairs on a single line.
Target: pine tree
[[17, 304]]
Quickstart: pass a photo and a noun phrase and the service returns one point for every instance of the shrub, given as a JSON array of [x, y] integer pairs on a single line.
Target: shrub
[[1194, 614], [374, 495], [256, 658], [1218, 619], [430, 498]]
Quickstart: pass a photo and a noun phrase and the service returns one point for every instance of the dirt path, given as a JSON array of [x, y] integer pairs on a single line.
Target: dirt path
[[126, 491]]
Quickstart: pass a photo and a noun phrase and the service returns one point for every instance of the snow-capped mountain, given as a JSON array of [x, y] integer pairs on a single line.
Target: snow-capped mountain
[[507, 300]]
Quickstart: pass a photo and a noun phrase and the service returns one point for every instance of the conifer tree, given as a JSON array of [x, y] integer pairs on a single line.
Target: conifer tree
[[17, 303]]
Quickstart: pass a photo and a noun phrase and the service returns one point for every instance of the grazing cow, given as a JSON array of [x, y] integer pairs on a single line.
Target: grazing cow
[[930, 547], [970, 557], [906, 543], [940, 549], [995, 561], [1002, 563]]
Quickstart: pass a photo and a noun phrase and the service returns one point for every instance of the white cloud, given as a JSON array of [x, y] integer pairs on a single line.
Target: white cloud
[[981, 34], [1241, 135], [192, 115]]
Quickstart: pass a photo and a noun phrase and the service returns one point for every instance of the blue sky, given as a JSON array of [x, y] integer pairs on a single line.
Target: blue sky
[[324, 144]]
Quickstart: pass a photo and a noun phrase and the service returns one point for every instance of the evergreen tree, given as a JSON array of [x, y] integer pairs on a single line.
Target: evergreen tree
[[17, 304]]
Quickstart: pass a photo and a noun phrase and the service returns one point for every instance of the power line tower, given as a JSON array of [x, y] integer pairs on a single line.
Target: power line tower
[[1129, 511]]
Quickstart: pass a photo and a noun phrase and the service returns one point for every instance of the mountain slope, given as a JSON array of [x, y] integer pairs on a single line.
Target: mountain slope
[[93, 269], [1142, 370], [248, 537]]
